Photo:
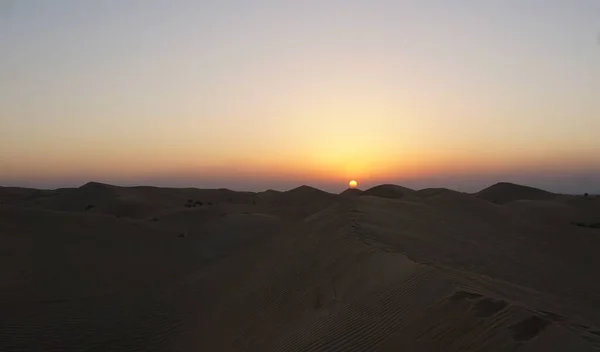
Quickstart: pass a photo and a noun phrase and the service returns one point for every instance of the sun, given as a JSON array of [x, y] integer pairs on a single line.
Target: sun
[[352, 184]]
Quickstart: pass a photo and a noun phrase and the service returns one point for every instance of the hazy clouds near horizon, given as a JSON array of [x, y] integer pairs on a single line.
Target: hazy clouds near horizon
[[269, 94]]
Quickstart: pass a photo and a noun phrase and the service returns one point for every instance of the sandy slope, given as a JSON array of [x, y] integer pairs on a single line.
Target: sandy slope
[[303, 270]]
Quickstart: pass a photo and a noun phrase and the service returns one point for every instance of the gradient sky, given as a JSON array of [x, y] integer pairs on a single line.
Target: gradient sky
[[272, 94]]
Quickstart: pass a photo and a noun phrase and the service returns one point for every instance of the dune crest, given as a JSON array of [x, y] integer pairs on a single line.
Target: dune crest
[[504, 192], [389, 191], [352, 192]]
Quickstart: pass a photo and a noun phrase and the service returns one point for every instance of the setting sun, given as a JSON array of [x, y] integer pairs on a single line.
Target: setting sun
[[353, 184]]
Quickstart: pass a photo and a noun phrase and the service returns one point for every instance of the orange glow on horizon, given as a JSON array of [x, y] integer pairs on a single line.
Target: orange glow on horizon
[[349, 158]]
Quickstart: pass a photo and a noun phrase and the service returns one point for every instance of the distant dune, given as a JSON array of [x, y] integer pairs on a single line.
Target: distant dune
[[505, 192], [307, 191], [389, 191], [108, 268], [431, 192], [352, 192]]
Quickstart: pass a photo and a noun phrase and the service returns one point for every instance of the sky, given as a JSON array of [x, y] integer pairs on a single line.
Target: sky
[[251, 95]]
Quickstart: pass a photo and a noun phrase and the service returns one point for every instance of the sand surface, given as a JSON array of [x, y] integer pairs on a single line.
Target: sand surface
[[107, 268]]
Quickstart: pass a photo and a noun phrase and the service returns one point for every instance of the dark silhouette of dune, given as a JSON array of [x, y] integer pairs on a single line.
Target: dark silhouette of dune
[[432, 192], [98, 186], [388, 191], [307, 191], [504, 192], [352, 192], [303, 270]]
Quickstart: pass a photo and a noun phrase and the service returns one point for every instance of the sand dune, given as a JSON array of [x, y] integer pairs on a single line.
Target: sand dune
[[389, 191], [505, 192], [387, 269], [352, 192]]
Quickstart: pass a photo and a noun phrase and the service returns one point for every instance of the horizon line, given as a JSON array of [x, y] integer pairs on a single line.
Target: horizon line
[[287, 190]]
